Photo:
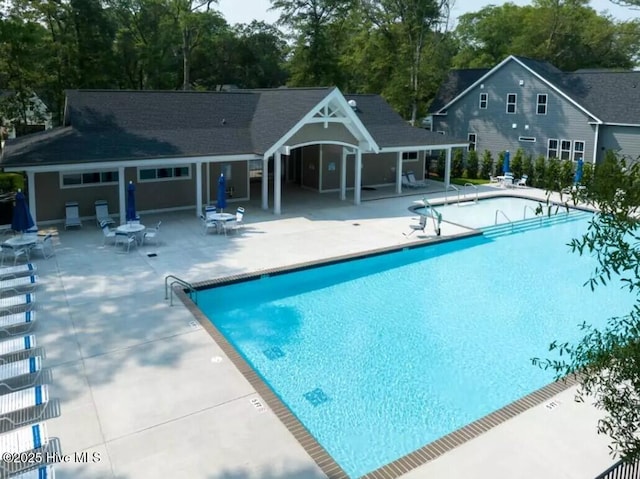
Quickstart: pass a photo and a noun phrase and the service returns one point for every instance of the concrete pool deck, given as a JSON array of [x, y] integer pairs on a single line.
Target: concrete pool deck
[[145, 387]]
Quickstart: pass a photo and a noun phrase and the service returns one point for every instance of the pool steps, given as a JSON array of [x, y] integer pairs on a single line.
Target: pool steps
[[533, 223]]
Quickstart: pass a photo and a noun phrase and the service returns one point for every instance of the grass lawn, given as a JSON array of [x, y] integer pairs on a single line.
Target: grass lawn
[[462, 181]]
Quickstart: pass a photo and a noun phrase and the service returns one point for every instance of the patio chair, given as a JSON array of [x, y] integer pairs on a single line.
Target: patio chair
[[16, 271], [238, 223], [23, 440], [108, 233], [210, 210], [208, 224], [493, 179], [9, 304], [24, 406], [72, 214], [43, 472], [421, 226], [22, 321], [152, 233], [412, 182], [44, 245], [17, 345], [125, 240], [14, 252], [522, 181], [17, 372], [102, 213], [24, 283]]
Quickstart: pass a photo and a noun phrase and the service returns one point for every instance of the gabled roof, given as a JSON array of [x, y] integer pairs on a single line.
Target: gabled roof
[[123, 125], [608, 96]]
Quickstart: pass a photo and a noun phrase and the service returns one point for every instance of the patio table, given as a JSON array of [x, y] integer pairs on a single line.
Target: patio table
[[22, 240], [221, 219], [131, 229]]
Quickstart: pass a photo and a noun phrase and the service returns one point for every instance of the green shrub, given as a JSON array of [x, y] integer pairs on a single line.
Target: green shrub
[[527, 167], [539, 172], [499, 163], [566, 174], [587, 174], [552, 175], [11, 182], [472, 164], [442, 160], [486, 170], [516, 163], [457, 163]]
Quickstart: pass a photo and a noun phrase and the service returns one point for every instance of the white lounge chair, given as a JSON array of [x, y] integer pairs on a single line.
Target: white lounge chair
[[23, 320], [72, 214], [409, 180], [45, 246], [422, 224], [16, 345], [17, 271], [10, 304], [494, 179], [18, 284], [14, 252], [43, 472], [102, 213], [23, 440], [19, 407], [17, 369]]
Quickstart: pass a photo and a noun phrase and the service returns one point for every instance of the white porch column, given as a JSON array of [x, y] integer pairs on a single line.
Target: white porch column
[[343, 174], [595, 145], [358, 180], [209, 183], [265, 183], [447, 169], [277, 182], [31, 183], [399, 173], [122, 184], [198, 189]]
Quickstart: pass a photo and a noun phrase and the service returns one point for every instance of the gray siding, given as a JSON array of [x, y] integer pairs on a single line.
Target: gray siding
[[625, 140], [494, 127]]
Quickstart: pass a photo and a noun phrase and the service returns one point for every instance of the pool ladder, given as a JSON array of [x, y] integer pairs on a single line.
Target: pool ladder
[[495, 220], [435, 215], [465, 192], [455, 188], [193, 293]]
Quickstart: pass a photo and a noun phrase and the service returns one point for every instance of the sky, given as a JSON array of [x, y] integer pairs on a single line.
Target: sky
[[244, 11]]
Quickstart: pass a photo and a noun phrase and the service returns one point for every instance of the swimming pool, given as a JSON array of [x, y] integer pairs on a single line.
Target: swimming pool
[[483, 213], [380, 356]]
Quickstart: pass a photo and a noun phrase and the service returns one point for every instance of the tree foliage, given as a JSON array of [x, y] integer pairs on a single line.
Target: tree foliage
[[607, 361]]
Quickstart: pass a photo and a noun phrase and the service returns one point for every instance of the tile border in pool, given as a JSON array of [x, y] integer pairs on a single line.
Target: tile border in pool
[[320, 456]]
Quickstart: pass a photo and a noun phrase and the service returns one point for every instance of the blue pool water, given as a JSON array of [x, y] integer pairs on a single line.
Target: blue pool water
[[380, 356]]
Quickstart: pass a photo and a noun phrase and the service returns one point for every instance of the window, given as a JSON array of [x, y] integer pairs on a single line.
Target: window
[[528, 139], [512, 101], [88, 178], [473, 140], [484, 100], [552, 149], [565, 149], [578, 150], [164, 174], [542, 104], [410, 156]]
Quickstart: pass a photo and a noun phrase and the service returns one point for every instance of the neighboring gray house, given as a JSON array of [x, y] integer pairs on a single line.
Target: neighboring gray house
[[530, 104], [23, 117], [175, 144]]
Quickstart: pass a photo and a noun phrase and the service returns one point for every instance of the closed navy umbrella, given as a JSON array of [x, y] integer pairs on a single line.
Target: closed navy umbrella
[[577, 177], [131, 202], [505, 162], [21, 220], [222, 192]]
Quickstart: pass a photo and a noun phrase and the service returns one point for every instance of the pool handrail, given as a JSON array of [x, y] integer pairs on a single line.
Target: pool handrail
[[465, 191], [524, 212], [181, 282], [455, 188], [495, 221], [428, 206]]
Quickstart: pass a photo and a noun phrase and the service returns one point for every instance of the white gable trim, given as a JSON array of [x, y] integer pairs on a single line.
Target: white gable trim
[[352, 123], [540, 77], [621, 124]]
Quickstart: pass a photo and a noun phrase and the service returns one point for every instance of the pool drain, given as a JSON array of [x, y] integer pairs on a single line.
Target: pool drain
[[316, 397]]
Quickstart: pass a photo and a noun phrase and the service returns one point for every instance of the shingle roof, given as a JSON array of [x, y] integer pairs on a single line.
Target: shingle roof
[[389, 129], [612, 96], [456, 82], [109, 125]]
